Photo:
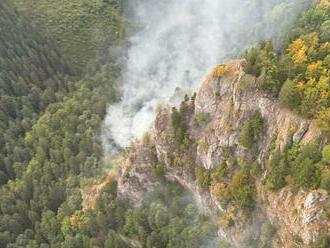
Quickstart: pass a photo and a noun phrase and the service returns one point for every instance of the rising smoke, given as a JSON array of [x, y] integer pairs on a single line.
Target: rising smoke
[[179, 42]]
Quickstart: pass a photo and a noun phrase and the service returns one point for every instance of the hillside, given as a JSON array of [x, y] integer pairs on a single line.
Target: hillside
[[230, 170], [33, 75], [82, 30], [243, 162], [50, 118], [251, 146]]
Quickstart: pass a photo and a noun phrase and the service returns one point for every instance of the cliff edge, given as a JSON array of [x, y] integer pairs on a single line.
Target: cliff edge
[[209, 140]]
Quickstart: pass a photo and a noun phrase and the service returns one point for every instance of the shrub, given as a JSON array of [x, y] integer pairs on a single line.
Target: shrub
[[203, 177], [252, 131], [306, 168], [219, 71], [325, 178], [277, 171], [146, 139], [201, 119], [242, 190], [256, 169], [289, 95], [306, 174], [326, 154], [222, 193], [160, 171], [323, 121], [220, 172], [179, 126]]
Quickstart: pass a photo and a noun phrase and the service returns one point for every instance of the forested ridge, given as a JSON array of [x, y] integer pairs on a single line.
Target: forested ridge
[[80, 29], [297, 73], [33, 75], [49, 123], [55, 86], [50, 159]]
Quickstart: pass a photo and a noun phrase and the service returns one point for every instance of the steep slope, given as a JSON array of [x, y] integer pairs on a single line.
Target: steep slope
[[232, 146], [81, 29], [254, 162], [227, 99], [33, 75], [49, 123], [298, 74]]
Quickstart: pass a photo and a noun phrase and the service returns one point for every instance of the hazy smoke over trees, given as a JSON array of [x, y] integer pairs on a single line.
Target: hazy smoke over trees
[[178, 42]]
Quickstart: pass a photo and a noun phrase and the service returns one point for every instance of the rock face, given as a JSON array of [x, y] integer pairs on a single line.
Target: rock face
[[228, 100], [299, 214], [137, 175]]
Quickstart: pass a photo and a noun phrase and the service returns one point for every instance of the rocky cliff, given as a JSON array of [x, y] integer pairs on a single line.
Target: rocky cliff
[[214, 119]]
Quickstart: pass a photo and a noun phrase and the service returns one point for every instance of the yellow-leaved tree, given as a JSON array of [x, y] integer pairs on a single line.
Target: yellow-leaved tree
[[323, 121], [298, 51]]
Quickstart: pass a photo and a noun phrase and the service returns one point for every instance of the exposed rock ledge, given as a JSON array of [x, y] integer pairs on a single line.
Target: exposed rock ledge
[[229, 100]]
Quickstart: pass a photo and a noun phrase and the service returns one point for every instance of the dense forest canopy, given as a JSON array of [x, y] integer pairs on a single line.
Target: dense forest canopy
[[54, 91], [33, 75], [80, 29], [299, 73]]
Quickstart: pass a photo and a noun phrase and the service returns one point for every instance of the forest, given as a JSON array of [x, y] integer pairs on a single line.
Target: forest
[[55, 86]]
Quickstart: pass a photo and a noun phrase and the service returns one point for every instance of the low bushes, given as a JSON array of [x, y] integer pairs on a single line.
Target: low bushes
[[252, 131]]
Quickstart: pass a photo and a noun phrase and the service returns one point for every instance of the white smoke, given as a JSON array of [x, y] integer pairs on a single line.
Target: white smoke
[[179, 42]]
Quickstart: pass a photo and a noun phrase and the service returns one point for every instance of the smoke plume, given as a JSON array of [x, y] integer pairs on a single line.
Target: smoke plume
[[178, 42]]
